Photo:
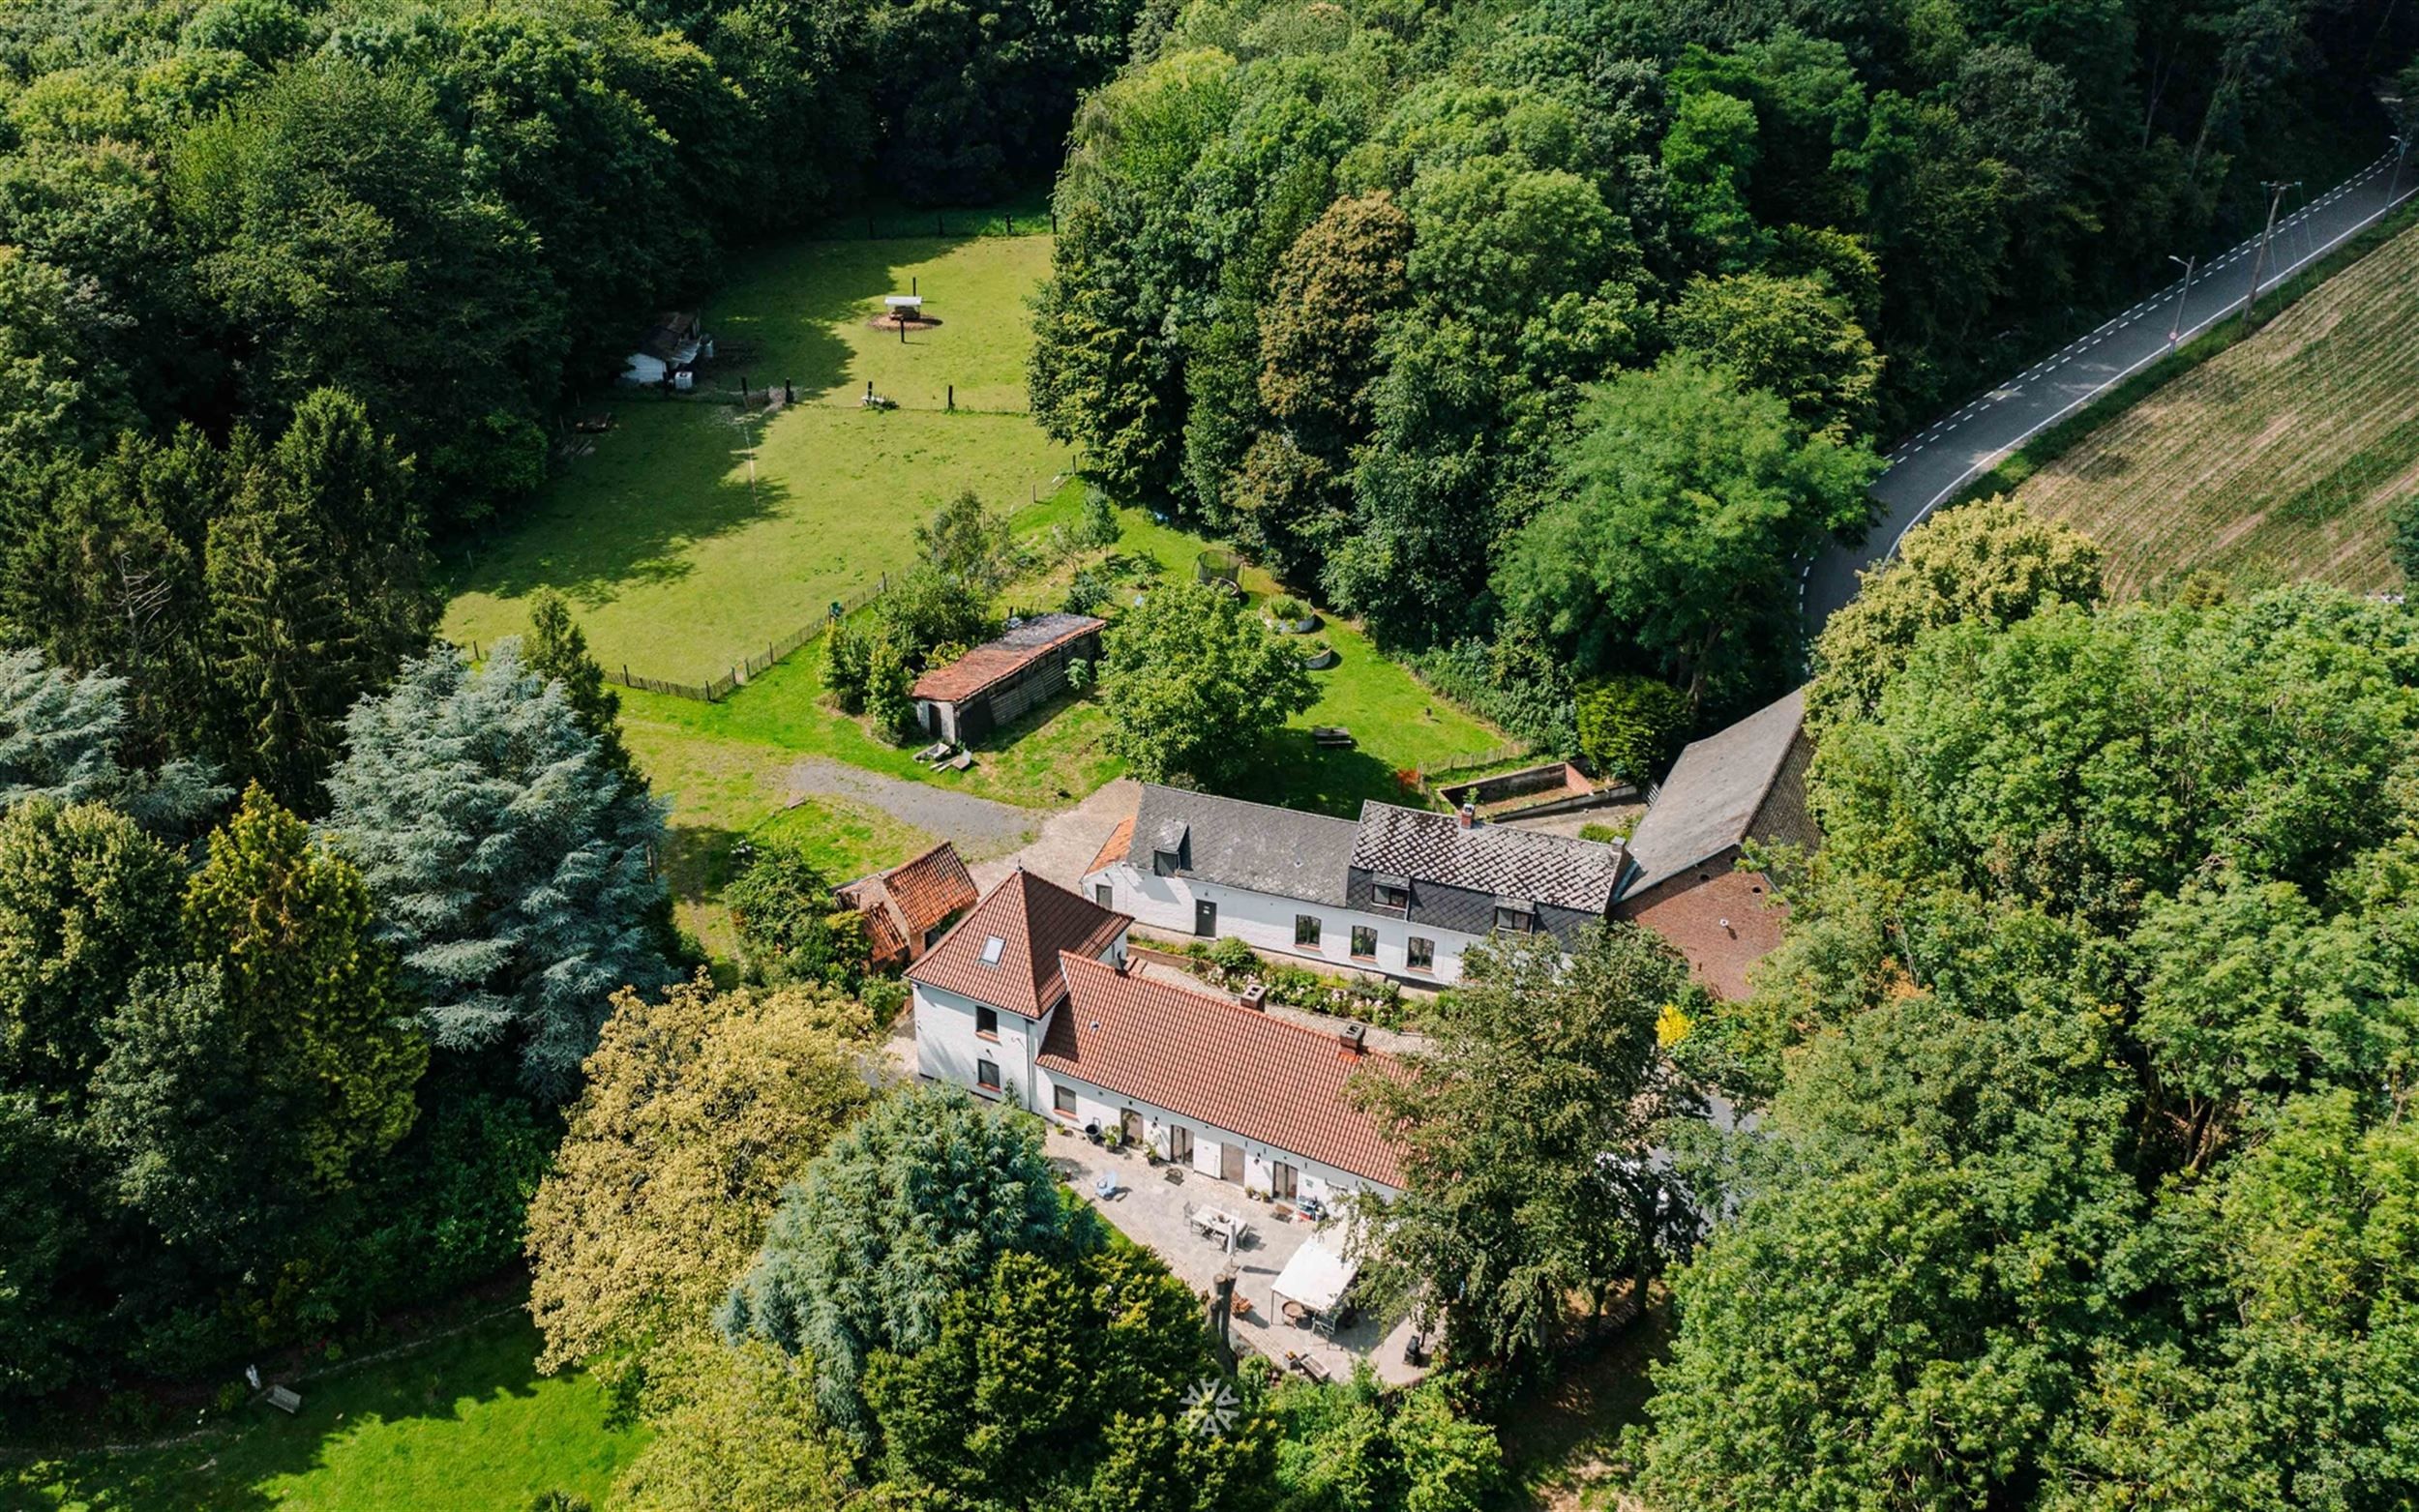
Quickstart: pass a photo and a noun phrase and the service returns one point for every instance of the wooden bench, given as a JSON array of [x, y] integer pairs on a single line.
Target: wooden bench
[[1332, 737], [284, 1401]]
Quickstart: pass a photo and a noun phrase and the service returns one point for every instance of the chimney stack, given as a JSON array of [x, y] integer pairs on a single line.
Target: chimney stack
[[1467, 813], [1350, 1036]]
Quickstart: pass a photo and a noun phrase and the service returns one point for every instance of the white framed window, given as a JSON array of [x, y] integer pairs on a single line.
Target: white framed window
[[1514, 921], [1306, 930], [1365, 942], [987, 1075], [1062, 1098], [1421, 954]]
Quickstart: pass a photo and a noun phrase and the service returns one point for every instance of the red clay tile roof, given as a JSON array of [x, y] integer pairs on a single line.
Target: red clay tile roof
[[995, 661], [1112, 849], [930, 888], [884, 944], [1035, 921], [1203, 1054], [902, 904]]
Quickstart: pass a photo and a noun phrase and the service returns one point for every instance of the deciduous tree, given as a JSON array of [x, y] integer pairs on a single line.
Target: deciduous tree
[[1196, 684], [1526, 1132], [697, 1111]]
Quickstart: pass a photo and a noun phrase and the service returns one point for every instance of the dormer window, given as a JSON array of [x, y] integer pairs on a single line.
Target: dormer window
[[1391, 893], [1515, 916], [1164, 863]]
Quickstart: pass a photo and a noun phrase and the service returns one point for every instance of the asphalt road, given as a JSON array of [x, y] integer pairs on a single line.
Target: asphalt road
[[1933, 465]]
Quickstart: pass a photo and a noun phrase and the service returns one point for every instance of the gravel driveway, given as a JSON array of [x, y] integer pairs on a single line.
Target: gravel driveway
[[979, 827]]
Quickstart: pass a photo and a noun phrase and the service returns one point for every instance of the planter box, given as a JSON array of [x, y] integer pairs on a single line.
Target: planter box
[[1321, 660], [1295, 627]]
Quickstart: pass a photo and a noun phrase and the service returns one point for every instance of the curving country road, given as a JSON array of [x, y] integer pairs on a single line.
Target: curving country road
[[1930, 467]]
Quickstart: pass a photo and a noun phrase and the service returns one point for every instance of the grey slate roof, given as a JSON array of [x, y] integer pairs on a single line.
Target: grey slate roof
[[1280, 851], [1522, 864], [1710, 800]]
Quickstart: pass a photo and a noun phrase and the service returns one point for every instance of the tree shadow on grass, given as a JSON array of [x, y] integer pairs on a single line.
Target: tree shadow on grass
[[231, 1469], [1297, 772], [674, 473]]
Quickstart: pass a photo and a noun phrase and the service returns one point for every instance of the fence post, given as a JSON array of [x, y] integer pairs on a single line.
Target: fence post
[[625, 676], [1012, 218], [953, 395]]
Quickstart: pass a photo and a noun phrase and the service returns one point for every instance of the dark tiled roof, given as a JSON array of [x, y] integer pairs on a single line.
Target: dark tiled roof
[[1280, 851], [1507, 862], [995, 660], [1710, 800], [1206, 1056], [1033, 921]]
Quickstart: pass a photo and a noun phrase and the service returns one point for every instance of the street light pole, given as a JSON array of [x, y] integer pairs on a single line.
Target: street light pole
[[2175, 333], [2276, 189]]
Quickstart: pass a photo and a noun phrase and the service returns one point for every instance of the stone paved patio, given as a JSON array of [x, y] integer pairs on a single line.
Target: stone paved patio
[[1150, 1210]]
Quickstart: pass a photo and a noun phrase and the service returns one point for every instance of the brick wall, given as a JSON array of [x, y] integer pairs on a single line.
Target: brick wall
[[1689, 910]]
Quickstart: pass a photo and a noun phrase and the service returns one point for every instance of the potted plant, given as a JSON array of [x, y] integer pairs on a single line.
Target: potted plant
[[1290, 615], [1319, 656]]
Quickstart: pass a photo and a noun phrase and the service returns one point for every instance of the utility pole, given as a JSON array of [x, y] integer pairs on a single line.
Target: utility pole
[[2175, 333], [2276, 189]]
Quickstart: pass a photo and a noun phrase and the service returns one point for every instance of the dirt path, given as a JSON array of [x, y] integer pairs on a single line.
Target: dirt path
[[981, 828]]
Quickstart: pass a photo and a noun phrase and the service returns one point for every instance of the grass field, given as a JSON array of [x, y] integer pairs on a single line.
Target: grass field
[[462, 1425], [693, 537], [2274, 460]]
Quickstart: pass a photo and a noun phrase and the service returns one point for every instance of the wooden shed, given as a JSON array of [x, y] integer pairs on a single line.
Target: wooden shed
[[1003, 679]]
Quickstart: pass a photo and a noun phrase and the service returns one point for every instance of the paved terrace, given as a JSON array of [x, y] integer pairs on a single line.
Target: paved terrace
[[1150, 1210]]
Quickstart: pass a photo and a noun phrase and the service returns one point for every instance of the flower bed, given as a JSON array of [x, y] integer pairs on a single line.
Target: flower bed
[[1234, 966]]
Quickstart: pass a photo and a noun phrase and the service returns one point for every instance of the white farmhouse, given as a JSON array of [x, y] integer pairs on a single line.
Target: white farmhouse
[[1031, 996], [1401, 891]]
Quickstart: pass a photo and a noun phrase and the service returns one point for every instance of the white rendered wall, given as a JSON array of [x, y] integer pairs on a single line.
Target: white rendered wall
[[1096, 1104], [1266, 923]]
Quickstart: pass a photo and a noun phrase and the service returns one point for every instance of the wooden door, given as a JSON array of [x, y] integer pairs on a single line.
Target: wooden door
[[1231, 1163]]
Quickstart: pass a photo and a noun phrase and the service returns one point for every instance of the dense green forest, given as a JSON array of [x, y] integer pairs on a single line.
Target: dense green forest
[[1341, 280], [304, 929], [2086, 1176]]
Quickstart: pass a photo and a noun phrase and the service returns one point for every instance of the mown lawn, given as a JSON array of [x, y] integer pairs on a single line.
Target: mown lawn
[[695, 535], [462, 1425]]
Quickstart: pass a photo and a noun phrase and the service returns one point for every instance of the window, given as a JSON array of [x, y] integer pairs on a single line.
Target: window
[[1101, 893], [1422, 954], [987, 1075], [1180, 1145], [993, 945], [1063, 1099], [987, 1022], [1393, 897], [1365, 942], [1514, 921], [1306, 930], [1281, 1180], [1163, 863]]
